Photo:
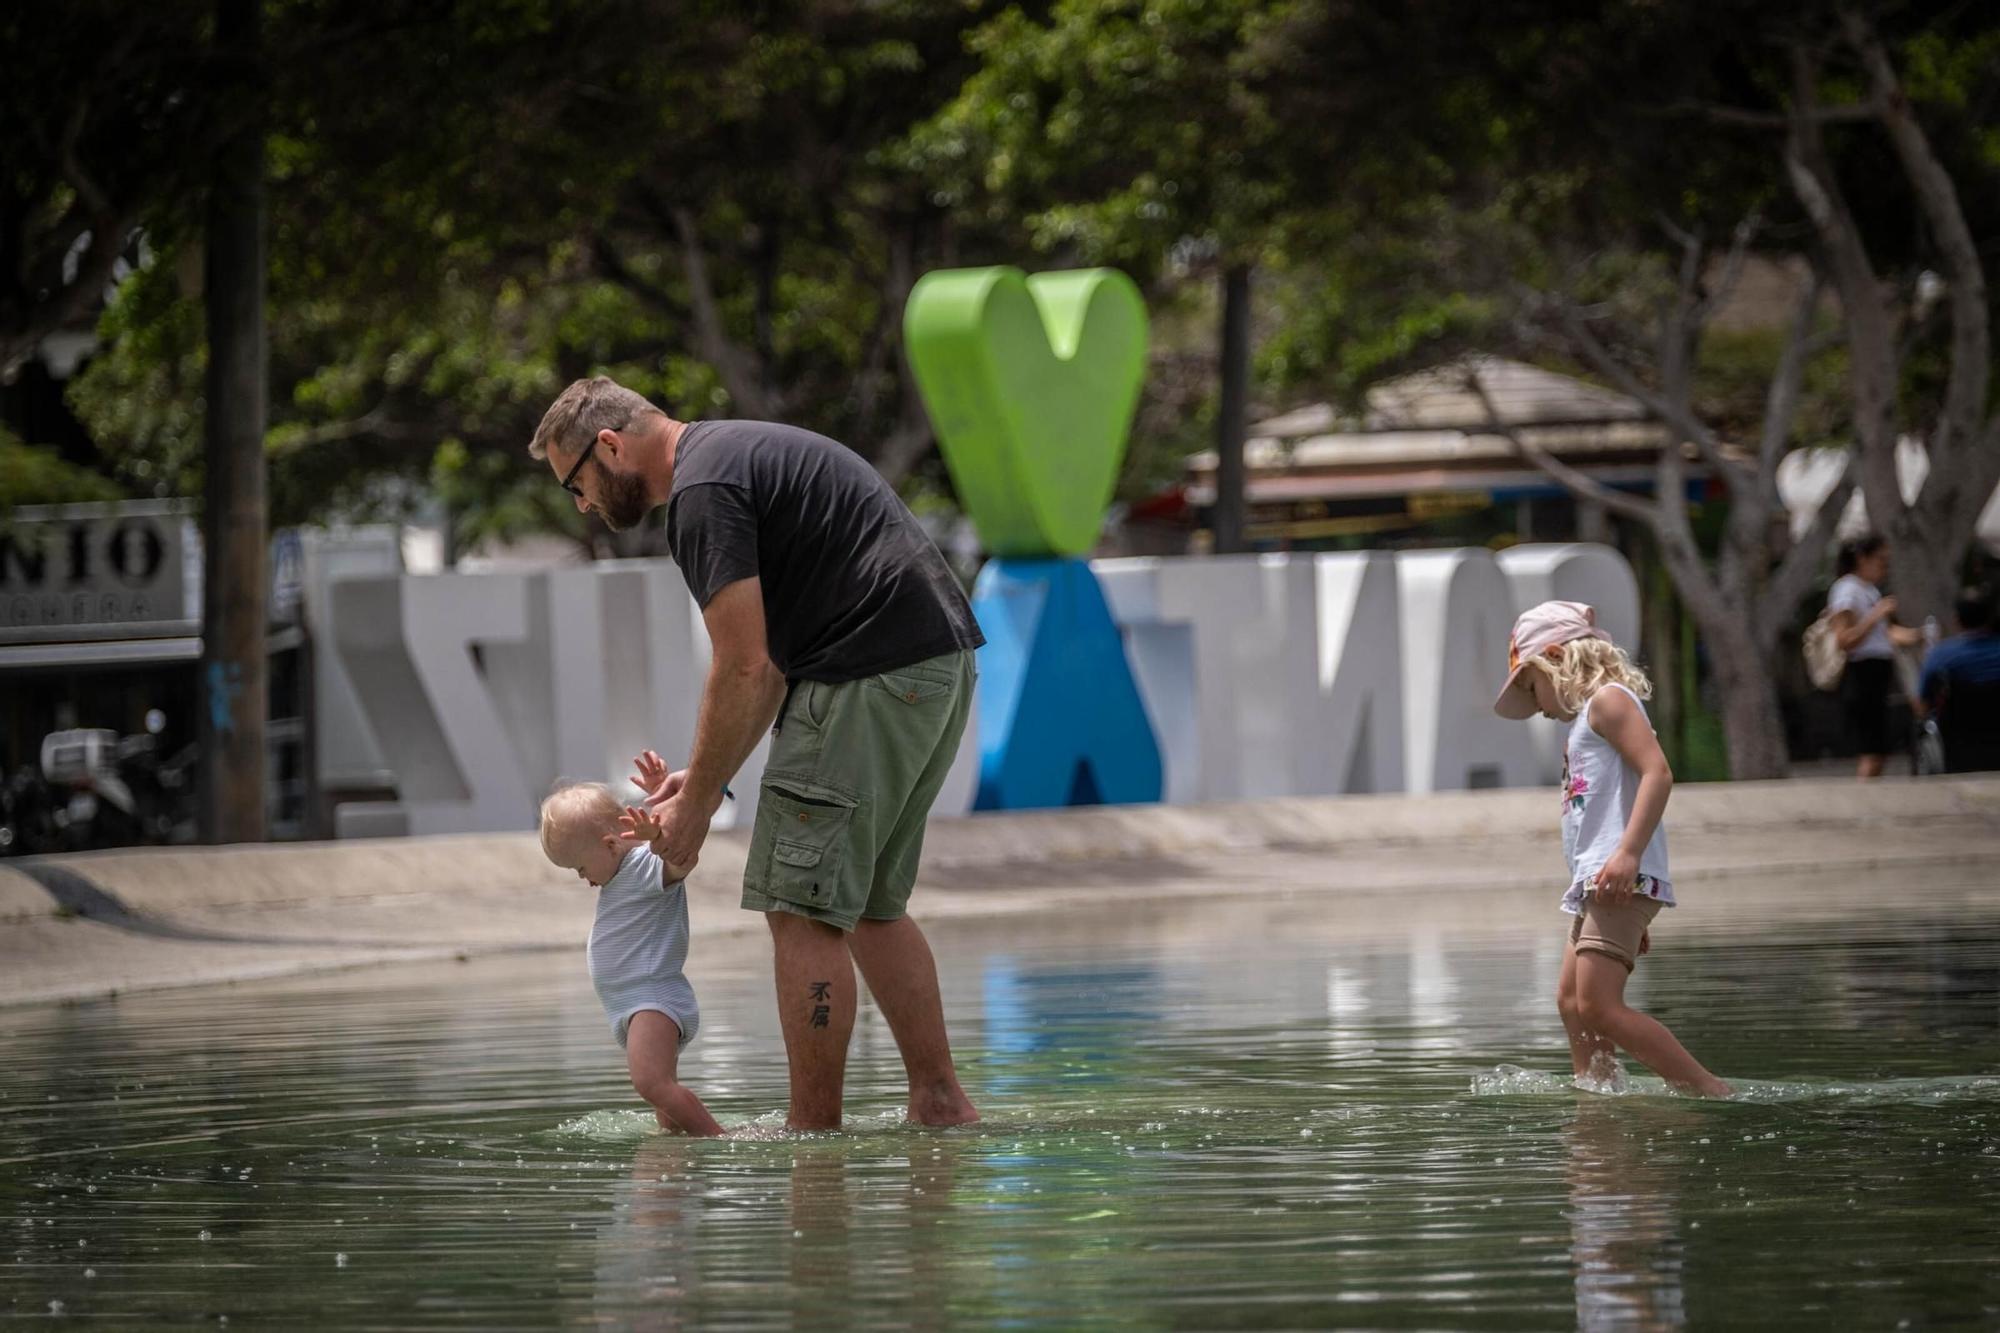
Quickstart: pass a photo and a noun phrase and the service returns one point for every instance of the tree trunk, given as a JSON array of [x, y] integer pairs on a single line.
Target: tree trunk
[[1923, 571], [234, 686], [1752, 722], [1660, 643], [1231, 421]]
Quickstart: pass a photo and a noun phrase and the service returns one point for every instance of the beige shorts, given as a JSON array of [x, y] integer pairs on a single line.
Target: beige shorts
[[1613, 930]]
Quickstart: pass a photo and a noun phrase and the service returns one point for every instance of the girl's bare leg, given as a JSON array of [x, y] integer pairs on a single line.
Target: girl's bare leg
[[652, 1054], [1601, 1005], [1588, 1054]]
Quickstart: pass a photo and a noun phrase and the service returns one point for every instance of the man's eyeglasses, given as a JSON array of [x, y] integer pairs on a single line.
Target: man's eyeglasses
[[569, 478]]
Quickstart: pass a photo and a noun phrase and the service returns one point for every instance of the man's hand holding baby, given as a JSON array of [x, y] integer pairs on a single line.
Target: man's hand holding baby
[[643, 823], [682, 826]]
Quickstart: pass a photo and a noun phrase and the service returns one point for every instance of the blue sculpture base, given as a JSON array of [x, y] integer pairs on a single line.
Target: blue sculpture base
[[1060, 718]]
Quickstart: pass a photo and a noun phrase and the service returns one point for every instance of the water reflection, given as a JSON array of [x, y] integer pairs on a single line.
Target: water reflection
[[1624, 1238], [646, 1270], [1232, 1113]]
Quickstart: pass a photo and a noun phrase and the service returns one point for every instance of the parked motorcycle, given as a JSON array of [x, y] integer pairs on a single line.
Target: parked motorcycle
[[94, 789]]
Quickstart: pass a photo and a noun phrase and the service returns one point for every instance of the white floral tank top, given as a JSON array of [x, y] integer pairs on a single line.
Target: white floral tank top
[[1598, 789]]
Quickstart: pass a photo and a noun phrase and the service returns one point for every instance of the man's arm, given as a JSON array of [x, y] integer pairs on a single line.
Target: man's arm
[[738, 704], [741, 699]]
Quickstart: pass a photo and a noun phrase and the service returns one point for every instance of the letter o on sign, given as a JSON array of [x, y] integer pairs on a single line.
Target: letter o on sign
[[136, 552]]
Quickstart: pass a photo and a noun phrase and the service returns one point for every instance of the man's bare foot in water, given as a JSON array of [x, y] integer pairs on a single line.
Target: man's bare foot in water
[[941, 1107]]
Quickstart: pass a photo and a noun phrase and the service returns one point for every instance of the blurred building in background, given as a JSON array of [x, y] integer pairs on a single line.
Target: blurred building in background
[[1422, 465]]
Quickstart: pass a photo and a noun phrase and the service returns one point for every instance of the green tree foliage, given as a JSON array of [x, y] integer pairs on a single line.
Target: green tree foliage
[[100, 122], [31, 475], [473, 204]]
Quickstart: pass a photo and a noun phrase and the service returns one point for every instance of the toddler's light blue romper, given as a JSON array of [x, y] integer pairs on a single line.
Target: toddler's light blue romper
[[639, 944]]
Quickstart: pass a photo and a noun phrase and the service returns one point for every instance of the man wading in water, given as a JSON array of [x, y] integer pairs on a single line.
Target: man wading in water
[[835, 621]]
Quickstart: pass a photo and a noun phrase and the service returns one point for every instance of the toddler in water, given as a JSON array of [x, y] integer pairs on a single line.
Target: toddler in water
[[639, 941], [1615, 788]]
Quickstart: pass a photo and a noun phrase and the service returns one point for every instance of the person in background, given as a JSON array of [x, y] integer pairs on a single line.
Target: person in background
[[1960, 686], [1864, 626]]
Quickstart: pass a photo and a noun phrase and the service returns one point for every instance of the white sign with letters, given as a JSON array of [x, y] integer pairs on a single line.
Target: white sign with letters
[[130, 568], [1273, 675]]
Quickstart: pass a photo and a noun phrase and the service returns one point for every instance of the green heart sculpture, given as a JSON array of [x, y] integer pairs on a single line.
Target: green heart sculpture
[[1031, 383]]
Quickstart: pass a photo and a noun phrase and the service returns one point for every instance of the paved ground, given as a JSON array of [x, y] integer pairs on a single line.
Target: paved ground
[[74, 928]]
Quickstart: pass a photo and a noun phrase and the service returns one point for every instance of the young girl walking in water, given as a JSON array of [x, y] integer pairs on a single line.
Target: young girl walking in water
[[1615, 788]]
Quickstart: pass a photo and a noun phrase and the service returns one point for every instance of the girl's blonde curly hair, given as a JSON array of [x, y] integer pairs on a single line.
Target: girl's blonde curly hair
[[1582, 667]]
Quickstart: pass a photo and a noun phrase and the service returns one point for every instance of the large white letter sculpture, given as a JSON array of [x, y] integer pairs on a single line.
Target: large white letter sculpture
[[1361, 675], [482, 690], [1271, 675], [1255, 679], [1457, 612], [410, 648]]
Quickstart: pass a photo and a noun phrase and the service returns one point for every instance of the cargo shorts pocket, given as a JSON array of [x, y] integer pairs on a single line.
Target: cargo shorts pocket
[[911, 687], [810, 826]]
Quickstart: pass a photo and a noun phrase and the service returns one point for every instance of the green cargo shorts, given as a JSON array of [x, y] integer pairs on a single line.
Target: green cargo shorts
[[853, 770]]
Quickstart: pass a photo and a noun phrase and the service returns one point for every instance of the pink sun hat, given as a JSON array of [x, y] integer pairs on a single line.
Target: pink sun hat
[[1539, 629]]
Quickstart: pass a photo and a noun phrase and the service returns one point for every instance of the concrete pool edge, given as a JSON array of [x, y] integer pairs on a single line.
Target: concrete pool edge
[[151, 880], [99, 924]]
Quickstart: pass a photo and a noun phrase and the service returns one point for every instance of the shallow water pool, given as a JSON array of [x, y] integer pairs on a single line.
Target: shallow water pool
[[1235, 1114]]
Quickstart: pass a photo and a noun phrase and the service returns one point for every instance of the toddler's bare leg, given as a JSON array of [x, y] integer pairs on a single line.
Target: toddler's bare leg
[[652, 1054], [1601, 1005]]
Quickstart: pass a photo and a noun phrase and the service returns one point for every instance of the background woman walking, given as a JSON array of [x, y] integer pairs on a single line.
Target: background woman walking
[[1864, 627]]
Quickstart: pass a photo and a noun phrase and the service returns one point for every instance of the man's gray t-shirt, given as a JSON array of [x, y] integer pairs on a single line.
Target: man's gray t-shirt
[[852, 585]]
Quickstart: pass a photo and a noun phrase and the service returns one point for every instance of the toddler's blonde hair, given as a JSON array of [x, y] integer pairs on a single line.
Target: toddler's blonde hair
[[574, 808], [1586, 666]]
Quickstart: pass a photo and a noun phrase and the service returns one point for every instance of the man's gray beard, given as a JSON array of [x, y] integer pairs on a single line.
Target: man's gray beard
[[624, 503]]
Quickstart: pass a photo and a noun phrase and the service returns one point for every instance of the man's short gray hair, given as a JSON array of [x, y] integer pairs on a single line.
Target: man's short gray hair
[[583, 409]]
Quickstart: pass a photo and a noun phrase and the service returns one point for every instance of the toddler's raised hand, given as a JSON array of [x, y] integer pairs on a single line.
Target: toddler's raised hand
[[652, 772], [638, 823]]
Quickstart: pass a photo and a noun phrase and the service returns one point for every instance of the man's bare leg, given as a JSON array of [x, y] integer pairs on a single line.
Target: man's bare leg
[[815, 980], [895, 958]]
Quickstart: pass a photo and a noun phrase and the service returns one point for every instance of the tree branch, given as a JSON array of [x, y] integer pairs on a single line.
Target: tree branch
[[884, 338], [1870, 339], [1781, 401], [1676, 415], [1771, 120], [69, 301], [905, 446], [1801, 565], [73, 174], [374, 423], [1576, 482], [613, 266], [1732, 268], [1966, 385], [731, 362]]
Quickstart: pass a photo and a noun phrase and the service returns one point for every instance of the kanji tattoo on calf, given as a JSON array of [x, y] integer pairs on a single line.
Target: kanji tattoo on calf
[[822, 1012]]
